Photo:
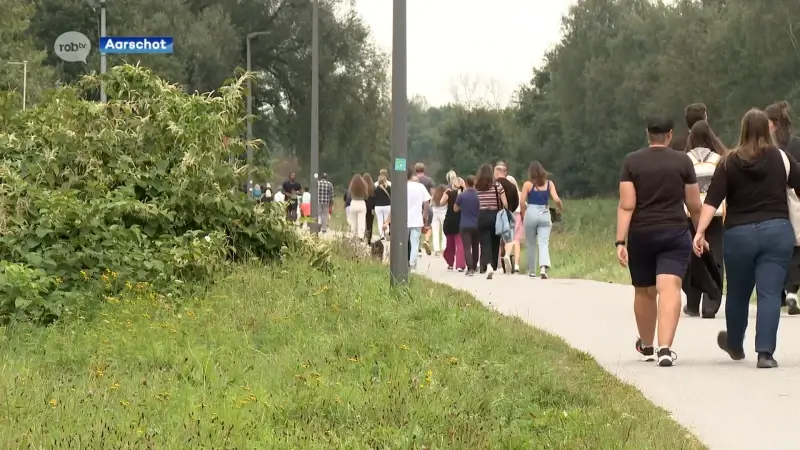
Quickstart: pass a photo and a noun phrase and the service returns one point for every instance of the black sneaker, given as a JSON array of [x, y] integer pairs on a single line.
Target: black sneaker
[[470, 273], [666, 357], [766, 361], [722, 342], [791, 304], [449, 268], [690, 312], [648, 353]]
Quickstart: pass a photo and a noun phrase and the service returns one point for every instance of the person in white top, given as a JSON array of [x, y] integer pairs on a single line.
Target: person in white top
[[419, 203], [279, 197], [305, 203]]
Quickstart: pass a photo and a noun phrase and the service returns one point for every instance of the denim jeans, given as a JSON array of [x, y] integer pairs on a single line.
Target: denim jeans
[[537, 225], [756, 255], [413, 245]]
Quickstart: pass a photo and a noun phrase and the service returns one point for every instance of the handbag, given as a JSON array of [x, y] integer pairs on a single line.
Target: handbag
[[504, 221], [792, 201]]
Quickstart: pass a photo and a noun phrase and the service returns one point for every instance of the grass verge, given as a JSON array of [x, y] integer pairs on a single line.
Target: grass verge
[[284, 357]]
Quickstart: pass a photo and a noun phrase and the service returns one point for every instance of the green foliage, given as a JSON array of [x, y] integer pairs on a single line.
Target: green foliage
[[138, 190]]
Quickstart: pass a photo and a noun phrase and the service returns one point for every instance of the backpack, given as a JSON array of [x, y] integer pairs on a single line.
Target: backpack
[[793, 202], [704, 170]]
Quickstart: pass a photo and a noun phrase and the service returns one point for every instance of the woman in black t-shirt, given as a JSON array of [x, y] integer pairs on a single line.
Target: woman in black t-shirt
[[383, 202], [454, 249]]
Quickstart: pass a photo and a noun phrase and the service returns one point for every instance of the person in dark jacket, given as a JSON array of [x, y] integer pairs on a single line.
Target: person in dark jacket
[[778, 114]]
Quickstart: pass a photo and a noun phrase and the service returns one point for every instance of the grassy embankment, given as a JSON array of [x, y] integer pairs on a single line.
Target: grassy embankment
[[284, 357]]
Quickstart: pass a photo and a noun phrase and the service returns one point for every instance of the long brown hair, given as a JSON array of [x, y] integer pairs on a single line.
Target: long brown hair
[[358, 188], [536, 174], [370, 184], [484, 178], [778, 114], [755, 137], [438, 193], [701, 135]]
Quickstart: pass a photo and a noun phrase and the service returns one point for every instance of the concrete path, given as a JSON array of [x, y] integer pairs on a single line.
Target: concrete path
[[729, 405]]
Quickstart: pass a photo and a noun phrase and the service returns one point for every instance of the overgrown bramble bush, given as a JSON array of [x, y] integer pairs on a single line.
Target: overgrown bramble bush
[[140, 188]]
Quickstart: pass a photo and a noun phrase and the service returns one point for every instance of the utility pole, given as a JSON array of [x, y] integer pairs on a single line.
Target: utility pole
[[250, 105], [399, 216], [103, 60], [314, 110]]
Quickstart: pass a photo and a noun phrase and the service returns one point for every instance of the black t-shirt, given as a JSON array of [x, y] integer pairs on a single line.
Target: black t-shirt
[[754, 191], [383, 195], [452, 219], [512, 194], [660, 176], [291, 189]]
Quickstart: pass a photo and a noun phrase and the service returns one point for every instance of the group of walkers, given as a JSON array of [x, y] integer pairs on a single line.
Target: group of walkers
[[743, 223], [476, 224], [296, 198]]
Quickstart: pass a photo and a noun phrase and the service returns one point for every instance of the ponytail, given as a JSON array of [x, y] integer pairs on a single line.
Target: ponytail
[[778, 114]]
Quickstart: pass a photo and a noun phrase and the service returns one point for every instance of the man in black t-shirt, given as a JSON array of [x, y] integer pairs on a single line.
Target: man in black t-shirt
[[291, 188], [653, 239], [512, 196]]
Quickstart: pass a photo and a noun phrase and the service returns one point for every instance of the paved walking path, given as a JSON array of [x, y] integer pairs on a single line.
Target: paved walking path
[[730, 405]]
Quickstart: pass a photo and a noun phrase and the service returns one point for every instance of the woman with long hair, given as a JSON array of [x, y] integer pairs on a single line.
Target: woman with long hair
[[357, 213], [453, 250], [370, 217], [536, 193], [492, 199], [437, 223], [705, 150], [383, 201], [778, 114], [759, 238]]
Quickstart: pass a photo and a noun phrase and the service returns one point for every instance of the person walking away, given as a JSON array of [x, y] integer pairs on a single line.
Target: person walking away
[[492, 199], [291, 188], [519, 232], [467, 205], [536, 217], [759, 237], [653, 239], [357, 214], [430, 185], [778, 114], [453, 250], [325, 197], [692, 114], [279, 197], [370, 218], [257, 193], [437, 224], [419, 200], [511, 248], [305, 203], [512, 195], [383, 173], [705, 150], [267, 193], [383, 202]]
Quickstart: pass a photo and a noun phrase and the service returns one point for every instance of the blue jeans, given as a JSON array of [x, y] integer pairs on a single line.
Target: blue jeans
[[756, 255], [537, 224], [413, 245]]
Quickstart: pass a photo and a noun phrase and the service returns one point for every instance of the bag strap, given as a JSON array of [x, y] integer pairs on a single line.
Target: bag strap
[[384, 190], [785, 164], [497, 196]]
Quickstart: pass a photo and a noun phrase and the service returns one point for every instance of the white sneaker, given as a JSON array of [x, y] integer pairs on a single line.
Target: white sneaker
[[543, 273], [489, 273], [506, 263], [516, 268]]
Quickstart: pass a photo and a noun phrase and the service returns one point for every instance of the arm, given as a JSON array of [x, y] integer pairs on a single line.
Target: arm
[[691, 191], [523, 205], [502, 193], [627, 202], [556, 198], [444, 199], [717, 192]]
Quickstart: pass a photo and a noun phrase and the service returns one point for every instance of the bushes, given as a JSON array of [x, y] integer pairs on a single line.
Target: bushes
[[140, 187]]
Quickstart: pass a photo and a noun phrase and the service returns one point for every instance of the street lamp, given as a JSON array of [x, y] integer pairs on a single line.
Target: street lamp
[[250, 104], [103, 62], [315, 110], [399, 217], [24, 65]]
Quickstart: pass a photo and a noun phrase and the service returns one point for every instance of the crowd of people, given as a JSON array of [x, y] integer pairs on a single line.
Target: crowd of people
[[690, 217], [476, 224]]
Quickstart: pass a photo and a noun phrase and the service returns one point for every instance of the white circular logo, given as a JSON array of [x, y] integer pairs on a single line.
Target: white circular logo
[[73, 46]]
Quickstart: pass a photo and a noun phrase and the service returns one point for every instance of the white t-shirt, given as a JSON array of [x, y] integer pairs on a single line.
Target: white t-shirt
[[279, 197], [417, 195], [306, 197]]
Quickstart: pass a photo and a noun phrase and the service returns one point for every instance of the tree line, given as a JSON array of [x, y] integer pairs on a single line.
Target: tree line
[[617, 61]]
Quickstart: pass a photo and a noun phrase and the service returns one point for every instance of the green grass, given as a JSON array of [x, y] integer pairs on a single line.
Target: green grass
[[285, 357], [581, 245]]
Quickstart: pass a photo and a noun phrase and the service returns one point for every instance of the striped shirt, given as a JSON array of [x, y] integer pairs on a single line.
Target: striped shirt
[[490, 200]]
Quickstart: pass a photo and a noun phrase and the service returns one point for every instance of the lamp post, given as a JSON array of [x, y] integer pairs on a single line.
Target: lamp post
[[24, 65], [399, 216], [103, 61], [314, 109], [250, 37]]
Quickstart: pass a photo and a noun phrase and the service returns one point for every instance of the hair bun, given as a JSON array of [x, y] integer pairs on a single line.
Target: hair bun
[[784, 105]]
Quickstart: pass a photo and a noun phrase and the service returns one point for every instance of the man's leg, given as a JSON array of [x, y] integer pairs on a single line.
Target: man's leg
[[642, 267], [413, 236], [323, 217]]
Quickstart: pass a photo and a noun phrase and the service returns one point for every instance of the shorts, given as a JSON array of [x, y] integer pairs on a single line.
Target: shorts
[[519, 230], [658, 252]]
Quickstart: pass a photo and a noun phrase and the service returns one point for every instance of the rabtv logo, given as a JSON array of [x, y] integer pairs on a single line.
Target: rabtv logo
[[72, 46]]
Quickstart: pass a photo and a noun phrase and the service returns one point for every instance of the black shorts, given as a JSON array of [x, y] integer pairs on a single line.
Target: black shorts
[[658, 252]]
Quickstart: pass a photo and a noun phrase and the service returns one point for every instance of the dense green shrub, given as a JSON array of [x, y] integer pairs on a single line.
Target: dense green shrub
[[140, 188]]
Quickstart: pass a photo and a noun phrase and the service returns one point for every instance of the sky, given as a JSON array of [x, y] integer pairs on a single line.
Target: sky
[[478, 49]]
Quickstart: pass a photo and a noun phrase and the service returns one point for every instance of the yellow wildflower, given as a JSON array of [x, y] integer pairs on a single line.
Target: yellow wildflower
[[53, 403]]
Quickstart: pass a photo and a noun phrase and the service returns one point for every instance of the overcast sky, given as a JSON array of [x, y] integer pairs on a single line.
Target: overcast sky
[[495, 42]]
